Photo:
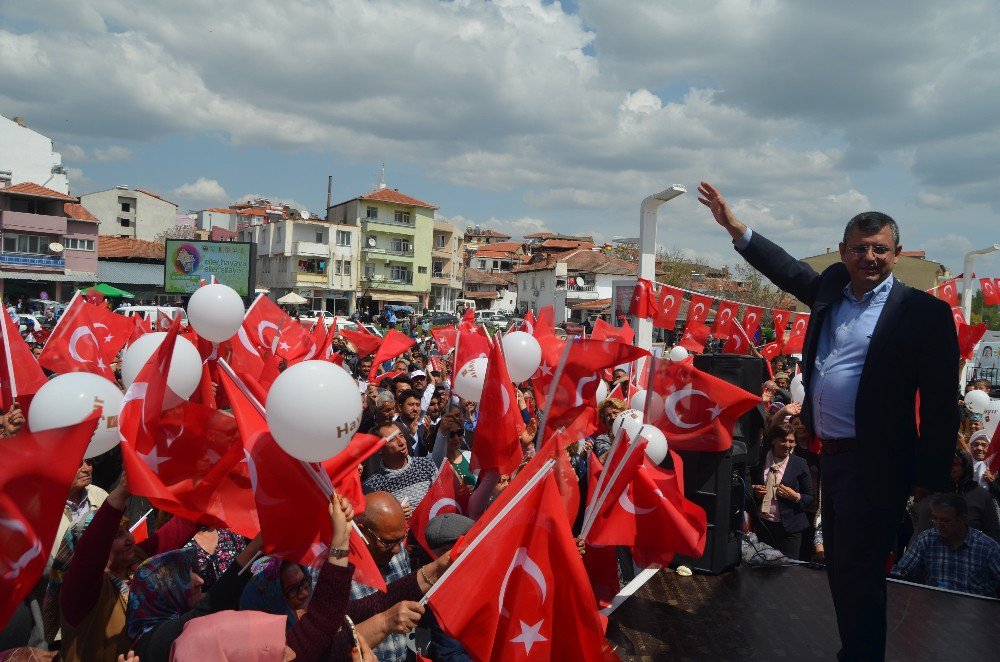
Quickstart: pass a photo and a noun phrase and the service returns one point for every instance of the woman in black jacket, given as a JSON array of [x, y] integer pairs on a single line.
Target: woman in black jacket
[[782, 492]]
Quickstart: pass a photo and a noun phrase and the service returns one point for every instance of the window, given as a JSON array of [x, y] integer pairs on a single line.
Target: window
[[482, 264], [421, 270], [440, 241], [371, 212], [369, 272], [126, 207], [337, 265], [438, 268], [347, 267], [79, 244], [319, 238], [343, 238], [400, 245], [401, 274], [124, 222], [402, 216], [277, 235], [312, 266]]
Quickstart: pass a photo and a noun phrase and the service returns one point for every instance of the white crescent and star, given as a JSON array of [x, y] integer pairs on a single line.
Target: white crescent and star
[[74, 338], [506, 401], [580, 385], [695, 314], [442, 503], [245, 340], [260, 332], [670, 407], [33, 552], [522, 560], [630, 507]]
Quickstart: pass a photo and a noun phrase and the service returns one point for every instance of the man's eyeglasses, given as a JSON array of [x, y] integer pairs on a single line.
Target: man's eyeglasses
[[386, 544], [862, 249]]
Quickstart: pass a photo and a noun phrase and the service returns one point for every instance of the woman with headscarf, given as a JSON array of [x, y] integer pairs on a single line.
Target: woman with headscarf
[[983, 513], [166, 595], [278, 587], [94, 591]]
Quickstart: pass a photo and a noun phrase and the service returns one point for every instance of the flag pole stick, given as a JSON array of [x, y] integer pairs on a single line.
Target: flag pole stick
[[601, 498], [530, 485], [552, 390], [601, 478], [11, 378], [139, 521]]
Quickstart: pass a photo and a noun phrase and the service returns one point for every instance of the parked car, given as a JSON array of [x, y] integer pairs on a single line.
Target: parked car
[[573, 329], [443, 319], [372, 329], [150, 313]]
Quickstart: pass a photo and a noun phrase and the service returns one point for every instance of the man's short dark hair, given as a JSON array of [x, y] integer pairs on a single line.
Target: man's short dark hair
[[953, 501], [406, 395], [869, 222]]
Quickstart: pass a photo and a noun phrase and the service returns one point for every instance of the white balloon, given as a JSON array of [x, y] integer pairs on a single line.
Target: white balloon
[[630, 419], [313, 410], [656, 443], [677, 354], [216, 312], [470, 380], [638, 402], [523, 355], [71, 397], [602, 391], [796, 388], [977, 401], [185, 364]]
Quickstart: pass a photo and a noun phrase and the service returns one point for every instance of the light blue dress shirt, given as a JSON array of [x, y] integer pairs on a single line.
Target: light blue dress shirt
[[840, 356]]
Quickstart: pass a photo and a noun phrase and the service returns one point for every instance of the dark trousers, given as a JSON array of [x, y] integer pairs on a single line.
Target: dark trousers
[[774, 534], [857, 537]]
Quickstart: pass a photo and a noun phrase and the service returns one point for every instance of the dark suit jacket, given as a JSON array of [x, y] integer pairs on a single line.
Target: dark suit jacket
[[797, 477], [914, 348]]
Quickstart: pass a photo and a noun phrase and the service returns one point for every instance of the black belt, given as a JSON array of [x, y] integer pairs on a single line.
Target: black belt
[[835, 446]]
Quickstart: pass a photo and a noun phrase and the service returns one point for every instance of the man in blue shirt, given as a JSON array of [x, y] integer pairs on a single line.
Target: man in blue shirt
[[952, 555], [872, 344]]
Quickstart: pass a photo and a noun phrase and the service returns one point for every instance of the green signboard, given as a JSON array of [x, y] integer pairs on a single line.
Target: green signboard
[[188, 262]]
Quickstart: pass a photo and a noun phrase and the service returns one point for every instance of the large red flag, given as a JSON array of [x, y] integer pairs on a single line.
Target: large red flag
[[991, 296], [468, 321], [365, 344], [35, 476], [473, 344], [393, 344], [739, 342], [186, 459], [695, 336], [780, 324], [604, 331], [968, 336], [80, 341], [447, 494], [699, 410], [444, 338], [20, 374], [724, 318], [342, 468], [668, 306], [528, 323], [601, 561], [643, 304], [545, 322], [798, 334], [698, 308], [533, 599], [652, 517], [499, 426]]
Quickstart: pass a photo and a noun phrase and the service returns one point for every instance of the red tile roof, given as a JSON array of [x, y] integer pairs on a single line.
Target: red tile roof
[[221, 234], [565, 243], [78, 212], [505, 246], [251, 211], [393, 196], [220, 210], [150, 193], [487, 252], [919, 254], [36, 191], [479, 232], [539, 235], [120, 247]]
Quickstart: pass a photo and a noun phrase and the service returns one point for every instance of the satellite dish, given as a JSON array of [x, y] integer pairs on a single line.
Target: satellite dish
[[56, 247], [371, 242], [304, 214]]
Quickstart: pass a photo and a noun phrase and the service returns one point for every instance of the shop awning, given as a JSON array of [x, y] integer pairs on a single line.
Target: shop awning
[[110, 291], [402, 298]]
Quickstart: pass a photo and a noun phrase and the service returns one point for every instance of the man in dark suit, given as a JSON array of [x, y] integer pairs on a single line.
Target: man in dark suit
[[871, 345]]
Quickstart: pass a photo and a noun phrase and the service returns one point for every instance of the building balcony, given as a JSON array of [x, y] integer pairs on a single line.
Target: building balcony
[[38, 223], [388, 225], [587, 293], [311, 248], [308, 278], [389, 252], [444, 280], [382, 282], [442, 253], [30, 261]]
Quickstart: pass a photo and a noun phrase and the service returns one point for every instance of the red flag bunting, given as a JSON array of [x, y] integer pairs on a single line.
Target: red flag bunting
[[668, 307]]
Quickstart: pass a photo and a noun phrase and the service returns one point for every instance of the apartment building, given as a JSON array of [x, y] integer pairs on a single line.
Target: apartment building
[[124, 212], [447, 267]]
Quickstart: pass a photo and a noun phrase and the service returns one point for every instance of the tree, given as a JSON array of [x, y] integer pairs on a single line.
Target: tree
[[176, 232], [981, 313]]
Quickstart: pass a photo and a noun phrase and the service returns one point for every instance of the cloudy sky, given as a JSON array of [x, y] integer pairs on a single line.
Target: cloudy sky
[[531, 115]]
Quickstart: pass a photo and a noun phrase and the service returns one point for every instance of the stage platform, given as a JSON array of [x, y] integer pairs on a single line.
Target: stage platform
[[785, 613]]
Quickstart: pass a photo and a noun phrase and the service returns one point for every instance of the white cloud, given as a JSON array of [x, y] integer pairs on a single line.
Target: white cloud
[[72, 152], [934, 200], [200, 194], [112, 153]]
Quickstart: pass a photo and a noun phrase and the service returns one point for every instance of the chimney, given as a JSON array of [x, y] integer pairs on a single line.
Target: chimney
[[6, 177], [329, 191]]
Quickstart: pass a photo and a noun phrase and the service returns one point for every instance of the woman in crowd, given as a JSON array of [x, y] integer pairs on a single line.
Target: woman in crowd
[[95, 589], [215, 549], [978, 446], [606, 413], [783, 491], [278, 587], [983, 513]]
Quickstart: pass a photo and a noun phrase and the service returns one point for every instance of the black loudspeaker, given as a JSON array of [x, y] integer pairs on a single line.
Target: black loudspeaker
[[714, 481]]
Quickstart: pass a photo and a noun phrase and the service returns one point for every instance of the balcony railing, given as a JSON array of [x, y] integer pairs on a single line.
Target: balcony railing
[[28, 260], [386, 282], [388, 251], [391, 221], [311, 248]]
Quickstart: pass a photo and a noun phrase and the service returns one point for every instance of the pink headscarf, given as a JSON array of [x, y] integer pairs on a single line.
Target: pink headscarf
[[243, 636]]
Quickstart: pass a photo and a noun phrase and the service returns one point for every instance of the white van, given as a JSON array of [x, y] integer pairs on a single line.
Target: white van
[[149, 313]]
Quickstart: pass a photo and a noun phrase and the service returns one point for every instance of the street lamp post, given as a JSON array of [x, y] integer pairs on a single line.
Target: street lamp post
[[647, 252], [967, 279]]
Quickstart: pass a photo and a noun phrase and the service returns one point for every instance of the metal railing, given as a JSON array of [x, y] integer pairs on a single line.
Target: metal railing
[[24, 260]]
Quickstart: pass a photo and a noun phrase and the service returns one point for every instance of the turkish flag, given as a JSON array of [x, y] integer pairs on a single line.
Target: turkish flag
[[37, 471], [312, 344], [695, 336], [751, 320], [343, 471], [968, 336], [468, 321], [780, 324], [668, 306], [471, 344], [94, 296], [798, 334], [699, 409], [20, 374], [269, 328], [624, 462], [365, 344], [724, 317], [604, 331], [528, 323], [770, 350], [958, 316], [601, 561], [186, 459], [991, 296], [577, 388], [444, 338], [80, 341], [545, 322], [739, 342], [643, 303], [652, 517], [447, 494], [140, 530], [532, 597], [948, 291], [499, 426], [393, 344], [698, 308]]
